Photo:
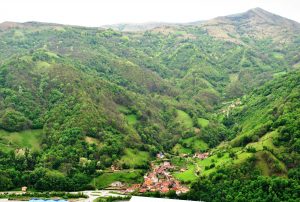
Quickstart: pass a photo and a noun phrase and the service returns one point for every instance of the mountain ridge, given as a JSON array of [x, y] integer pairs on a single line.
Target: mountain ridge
[[150, 25], [267, 16], [256, 23], [89, 99]]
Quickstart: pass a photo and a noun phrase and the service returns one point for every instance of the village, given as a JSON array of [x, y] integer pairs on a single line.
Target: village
[[159, 178]]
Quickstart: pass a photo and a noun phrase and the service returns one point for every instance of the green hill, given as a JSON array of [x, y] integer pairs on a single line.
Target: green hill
[[266, 144], [269, 119], [75, 101]]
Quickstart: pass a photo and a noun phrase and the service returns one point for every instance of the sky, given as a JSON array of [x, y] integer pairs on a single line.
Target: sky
[[95, 13]]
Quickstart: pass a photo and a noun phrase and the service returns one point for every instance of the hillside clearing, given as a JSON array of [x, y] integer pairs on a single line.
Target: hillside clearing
[[184, 119], [203, 122], [24, 139], [125, 176], [135, 158]]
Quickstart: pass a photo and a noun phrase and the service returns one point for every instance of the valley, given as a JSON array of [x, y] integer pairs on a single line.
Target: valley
[[200, 111]]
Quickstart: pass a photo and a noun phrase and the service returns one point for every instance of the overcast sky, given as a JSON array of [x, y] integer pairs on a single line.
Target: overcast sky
[[101, 12]]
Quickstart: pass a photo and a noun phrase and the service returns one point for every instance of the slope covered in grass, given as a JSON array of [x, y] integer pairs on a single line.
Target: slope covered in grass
[[187, 176], [203, 122], [195, 143], [31, 139], [129, 177], [268, 124], [183, 119], [135, 159]]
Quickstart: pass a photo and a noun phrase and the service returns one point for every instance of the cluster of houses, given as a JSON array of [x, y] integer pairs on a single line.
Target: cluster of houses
[[159, 179], [201, 156], [198, 155], [160, 155], [231, 107]]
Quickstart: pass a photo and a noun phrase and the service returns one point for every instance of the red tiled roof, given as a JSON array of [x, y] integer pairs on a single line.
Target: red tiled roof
[[164, 190], [143, 190]]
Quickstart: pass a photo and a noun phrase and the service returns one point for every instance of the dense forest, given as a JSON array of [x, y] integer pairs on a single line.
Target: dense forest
[[75, 101]]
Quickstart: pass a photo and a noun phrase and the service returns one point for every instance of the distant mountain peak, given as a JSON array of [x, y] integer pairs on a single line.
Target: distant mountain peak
[[259, 12], [262, 16], [258, 9], [255, 23]]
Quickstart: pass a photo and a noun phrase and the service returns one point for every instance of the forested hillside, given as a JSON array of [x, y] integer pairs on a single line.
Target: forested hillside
[[75, 101], [267, 126]]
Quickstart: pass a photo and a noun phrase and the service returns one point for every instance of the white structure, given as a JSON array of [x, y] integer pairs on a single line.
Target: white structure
[[116, 184], [150, 199]]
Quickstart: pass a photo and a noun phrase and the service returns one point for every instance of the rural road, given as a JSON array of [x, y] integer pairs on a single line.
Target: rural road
[[95, 194]]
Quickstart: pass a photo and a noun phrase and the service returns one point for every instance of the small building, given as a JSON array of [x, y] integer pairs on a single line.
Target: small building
[[160, 155], [133, 188], [148, 182], [182, 169], [24, 189], [143, 190], [167, 164], [164, 190], [117, 184], [182, 190], [136, 186], [114, 168], [201, 156]]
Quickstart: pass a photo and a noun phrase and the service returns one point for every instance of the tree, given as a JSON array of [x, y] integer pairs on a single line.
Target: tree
[[5, 183], [14, 121]]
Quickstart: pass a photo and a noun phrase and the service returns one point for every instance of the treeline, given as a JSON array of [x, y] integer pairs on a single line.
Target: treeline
[[245, 184], [17, 171]]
